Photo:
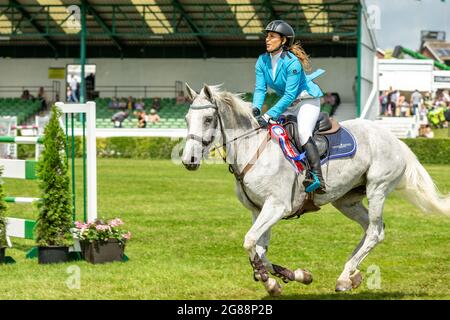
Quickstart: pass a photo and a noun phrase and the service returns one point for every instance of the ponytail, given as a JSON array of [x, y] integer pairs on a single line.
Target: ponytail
[[300, 53]]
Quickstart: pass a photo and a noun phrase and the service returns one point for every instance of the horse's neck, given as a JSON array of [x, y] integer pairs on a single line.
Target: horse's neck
[[240, 152]]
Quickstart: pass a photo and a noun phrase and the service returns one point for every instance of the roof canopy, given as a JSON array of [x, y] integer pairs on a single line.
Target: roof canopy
[[150, 28]]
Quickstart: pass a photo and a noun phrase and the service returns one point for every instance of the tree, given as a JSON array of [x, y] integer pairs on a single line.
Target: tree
[[55, 218]]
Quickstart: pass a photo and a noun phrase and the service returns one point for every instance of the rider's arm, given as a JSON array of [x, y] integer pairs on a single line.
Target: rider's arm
[[294, 70], [260, 85]]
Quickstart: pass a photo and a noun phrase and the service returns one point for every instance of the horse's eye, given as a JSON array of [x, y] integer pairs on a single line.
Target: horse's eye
[[208, 120]]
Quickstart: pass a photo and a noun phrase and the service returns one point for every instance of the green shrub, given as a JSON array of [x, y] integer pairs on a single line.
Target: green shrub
[[430, 151], [55, 208]]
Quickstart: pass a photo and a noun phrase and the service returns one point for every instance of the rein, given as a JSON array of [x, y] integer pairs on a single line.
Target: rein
[[225, 143], [239, 176]]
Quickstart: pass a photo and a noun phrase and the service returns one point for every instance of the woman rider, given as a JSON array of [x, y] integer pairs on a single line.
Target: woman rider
[[282, 68]]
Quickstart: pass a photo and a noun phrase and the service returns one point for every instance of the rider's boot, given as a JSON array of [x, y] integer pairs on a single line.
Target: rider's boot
[[311, 184]]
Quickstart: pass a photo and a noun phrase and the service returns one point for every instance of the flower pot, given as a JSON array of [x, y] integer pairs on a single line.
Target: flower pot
[[102, 251], [2, 255], [53, 254]]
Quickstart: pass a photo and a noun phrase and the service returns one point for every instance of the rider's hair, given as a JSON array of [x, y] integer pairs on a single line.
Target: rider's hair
[[300, 53]]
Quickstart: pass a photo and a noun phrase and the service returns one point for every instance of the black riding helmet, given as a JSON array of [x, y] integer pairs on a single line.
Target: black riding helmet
[[283, 29]]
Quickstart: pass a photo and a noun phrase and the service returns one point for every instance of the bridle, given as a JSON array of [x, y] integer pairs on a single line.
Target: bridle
[[206, 143], [195, 137]]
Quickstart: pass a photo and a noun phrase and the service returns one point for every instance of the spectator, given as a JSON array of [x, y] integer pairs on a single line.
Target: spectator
[[393, 97], [122, 104], [68, 93], [181, 99], [336, 103], [404, 107], [139, 105], [42, 97], [446, 97], [423, 119], [428, 132], [384, 103], [326, 105], [118, 118], [436, 116], [142, 119], [154, 117], [156, 104], [90, 86], [26, 95], [447, 115], [114, 103], [130, 104], [73, 89], [416, 101]]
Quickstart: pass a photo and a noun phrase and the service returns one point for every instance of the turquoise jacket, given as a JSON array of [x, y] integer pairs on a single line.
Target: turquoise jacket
[[290, 81]]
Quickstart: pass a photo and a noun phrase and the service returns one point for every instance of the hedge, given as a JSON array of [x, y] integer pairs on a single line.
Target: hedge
[[429, 151]]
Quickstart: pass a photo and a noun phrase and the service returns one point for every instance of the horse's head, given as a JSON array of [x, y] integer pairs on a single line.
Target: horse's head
[[202, 123]]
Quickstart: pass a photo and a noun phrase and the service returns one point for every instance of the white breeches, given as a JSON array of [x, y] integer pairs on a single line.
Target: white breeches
[[307, 112]]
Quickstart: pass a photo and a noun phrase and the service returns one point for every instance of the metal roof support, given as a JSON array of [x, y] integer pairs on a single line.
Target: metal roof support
[[104, 26], [273, 14], [38, 28], [191, 25]]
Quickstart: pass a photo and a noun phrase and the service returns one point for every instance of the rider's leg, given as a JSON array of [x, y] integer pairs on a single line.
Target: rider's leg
[[307, 118]]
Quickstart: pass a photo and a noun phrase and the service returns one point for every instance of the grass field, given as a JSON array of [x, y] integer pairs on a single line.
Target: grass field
[[188, 230], [443, 133]]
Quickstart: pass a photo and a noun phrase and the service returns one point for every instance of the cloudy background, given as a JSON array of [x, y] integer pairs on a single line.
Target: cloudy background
[[402, 20]]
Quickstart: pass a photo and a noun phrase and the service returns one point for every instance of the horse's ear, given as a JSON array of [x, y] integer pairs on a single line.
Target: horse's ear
[[191, 94], [207, 92]]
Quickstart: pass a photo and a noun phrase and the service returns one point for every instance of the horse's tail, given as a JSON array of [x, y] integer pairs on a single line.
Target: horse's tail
[[418, 187]]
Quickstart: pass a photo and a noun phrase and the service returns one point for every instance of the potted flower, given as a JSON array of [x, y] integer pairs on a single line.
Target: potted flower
[[54, 222], [102, 241], [3, 208]]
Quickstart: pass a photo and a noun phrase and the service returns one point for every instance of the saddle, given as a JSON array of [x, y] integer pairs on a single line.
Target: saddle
[[324, 126], [332, 140]]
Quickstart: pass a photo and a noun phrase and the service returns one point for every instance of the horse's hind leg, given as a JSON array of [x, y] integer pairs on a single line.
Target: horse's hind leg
[[351, 277], [352, 207]]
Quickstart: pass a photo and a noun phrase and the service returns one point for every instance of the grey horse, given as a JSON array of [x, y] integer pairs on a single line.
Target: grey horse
[[268, 186]]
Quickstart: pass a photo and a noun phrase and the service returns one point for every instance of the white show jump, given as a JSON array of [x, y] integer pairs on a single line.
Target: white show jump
[[88, 109], [26, 169]]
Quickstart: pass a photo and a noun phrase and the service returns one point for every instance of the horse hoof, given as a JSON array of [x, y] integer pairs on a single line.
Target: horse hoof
[[272, 287], [343, 285], [303, 276], [356, 279]]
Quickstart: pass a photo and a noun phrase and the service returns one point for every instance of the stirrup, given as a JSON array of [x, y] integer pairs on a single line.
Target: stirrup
[[314, 185]]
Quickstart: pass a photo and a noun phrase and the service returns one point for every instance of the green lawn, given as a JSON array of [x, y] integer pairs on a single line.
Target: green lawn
[[443, 133], [188, 230]]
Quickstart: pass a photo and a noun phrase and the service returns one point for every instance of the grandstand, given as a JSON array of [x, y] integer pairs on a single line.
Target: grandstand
[[19, 108], [198, 43], [171, 114]]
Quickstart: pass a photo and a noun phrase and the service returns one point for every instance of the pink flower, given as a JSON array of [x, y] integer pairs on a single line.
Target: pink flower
[[81, 225], [116, 222], [127, 235], [102, 228]]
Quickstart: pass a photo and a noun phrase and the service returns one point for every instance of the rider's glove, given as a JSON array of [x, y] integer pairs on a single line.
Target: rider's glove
[[264, 120], [256, 112]]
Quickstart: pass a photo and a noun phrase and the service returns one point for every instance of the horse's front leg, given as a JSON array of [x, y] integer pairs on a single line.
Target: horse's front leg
[[257, 241], [285, 274]]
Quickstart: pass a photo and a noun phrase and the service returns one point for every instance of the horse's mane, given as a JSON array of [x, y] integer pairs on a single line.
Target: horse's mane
[[233, 100]]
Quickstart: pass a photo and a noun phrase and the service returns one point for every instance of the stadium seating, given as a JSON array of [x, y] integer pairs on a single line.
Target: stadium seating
[[19, 108], [171, 114]]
